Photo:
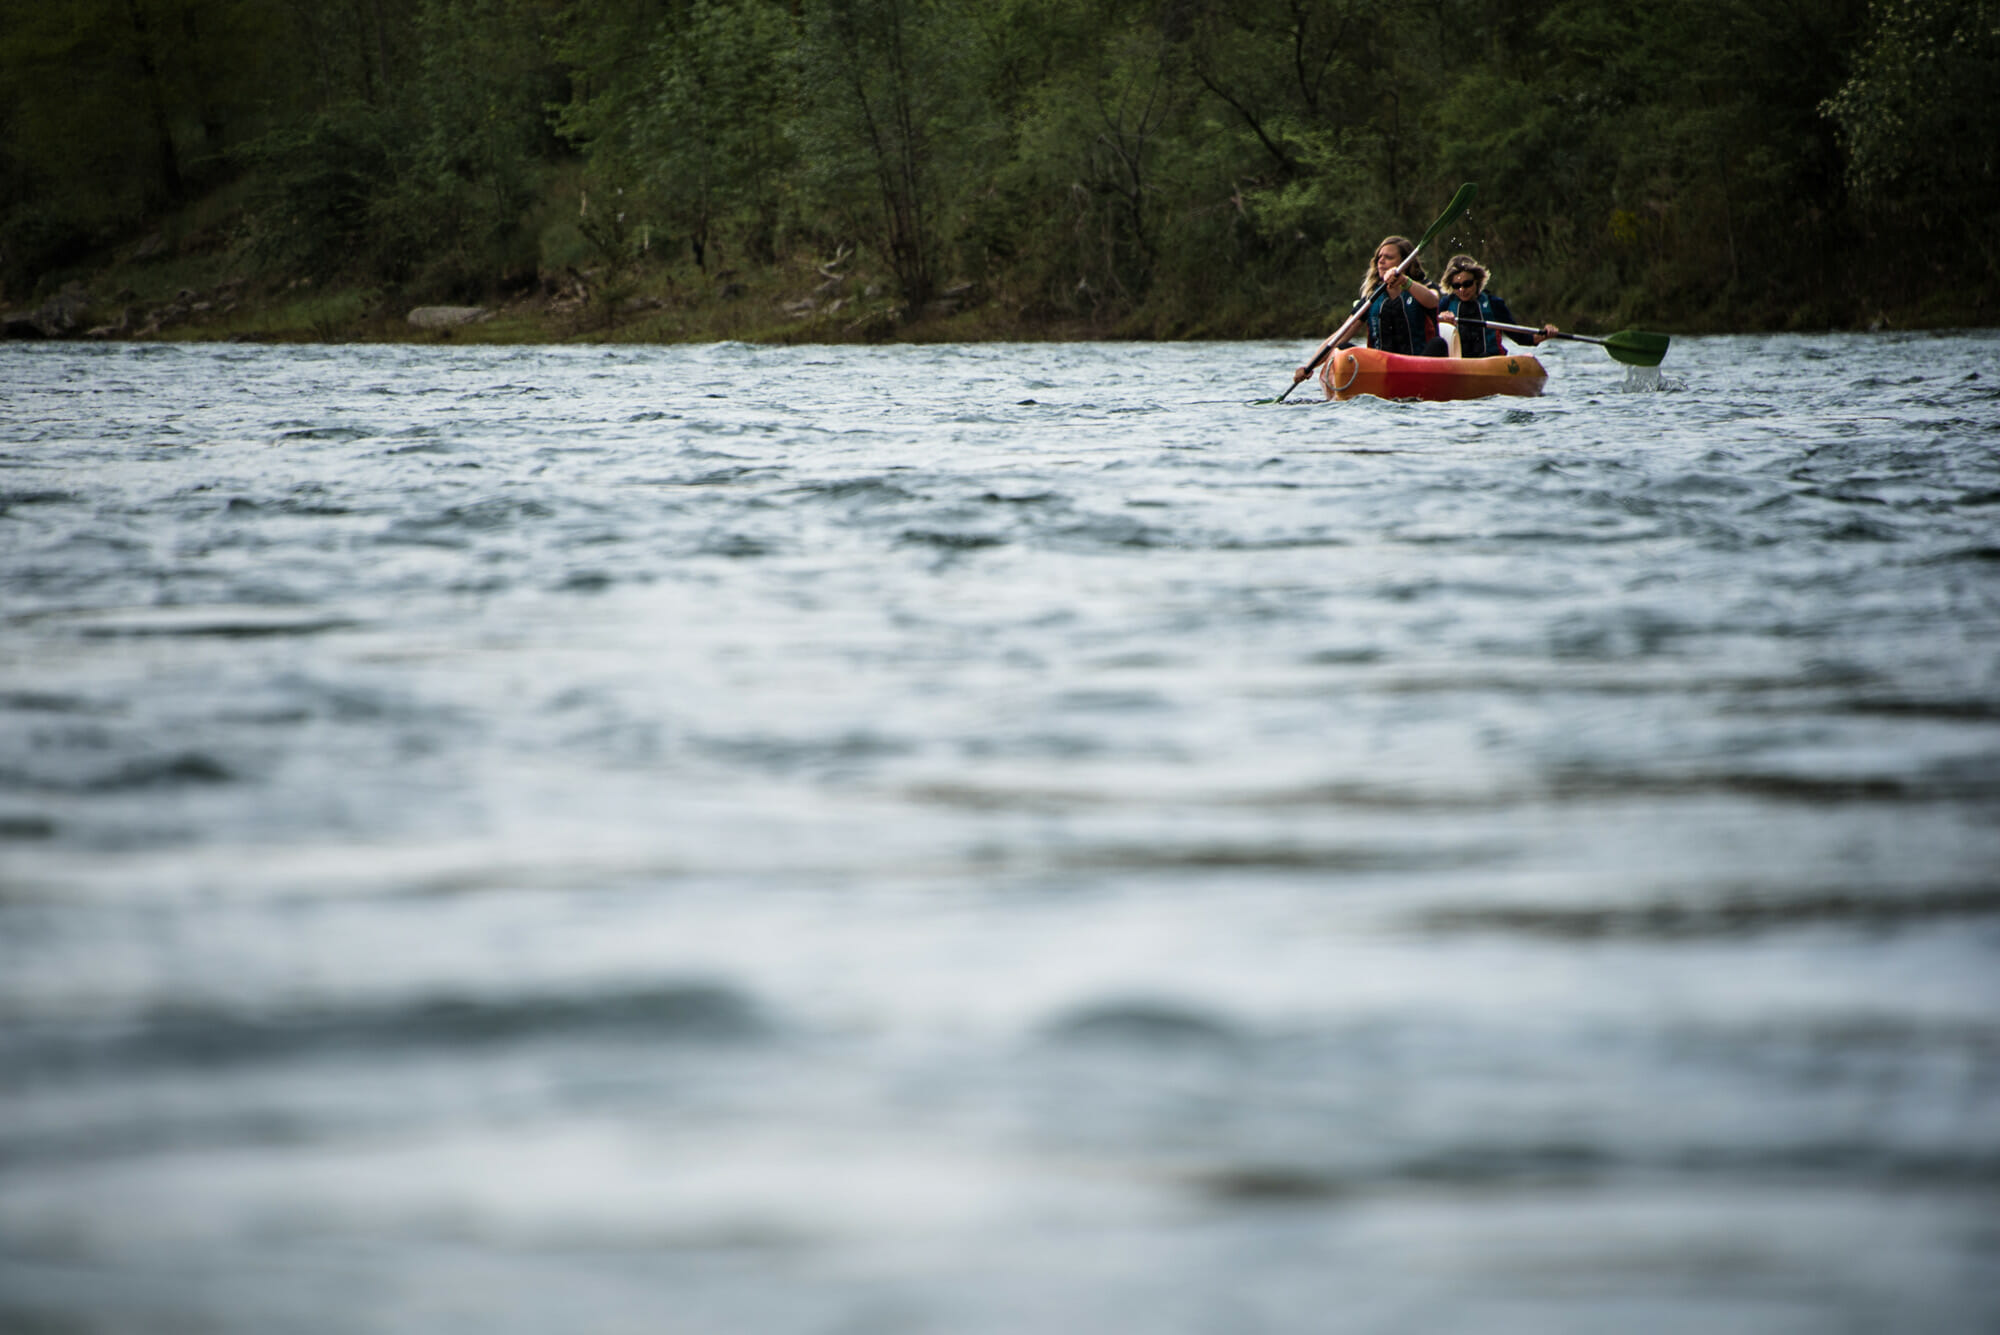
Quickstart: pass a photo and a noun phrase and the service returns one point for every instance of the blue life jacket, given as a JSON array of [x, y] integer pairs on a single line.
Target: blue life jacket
[[1398, 324], [1474, 338]]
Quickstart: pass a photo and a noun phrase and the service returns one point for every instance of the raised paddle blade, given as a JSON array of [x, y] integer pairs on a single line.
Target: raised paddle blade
[[1453, 211], [1636, 348]]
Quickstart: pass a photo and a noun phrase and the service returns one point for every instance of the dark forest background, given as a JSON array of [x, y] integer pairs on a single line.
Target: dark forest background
[[1144, 167]]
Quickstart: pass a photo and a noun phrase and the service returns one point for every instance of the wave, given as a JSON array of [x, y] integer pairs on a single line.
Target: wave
[[950, 542], [210, 624], [1142, 1021], [1580, 1163], [173, 770], [1773, 785], [872, 489], [10, 499], [1733, 915], [213, 1035]]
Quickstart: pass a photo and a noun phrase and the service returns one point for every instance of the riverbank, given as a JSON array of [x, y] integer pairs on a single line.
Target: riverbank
[[585, 307], [562, 306], [187, 282], [569, 307]]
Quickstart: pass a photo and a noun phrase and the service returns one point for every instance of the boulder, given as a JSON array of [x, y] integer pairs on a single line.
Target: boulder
[[116, 329], [54, 318], [446, 317]]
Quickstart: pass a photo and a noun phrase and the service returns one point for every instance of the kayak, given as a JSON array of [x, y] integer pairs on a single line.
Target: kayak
[[1391, 375]]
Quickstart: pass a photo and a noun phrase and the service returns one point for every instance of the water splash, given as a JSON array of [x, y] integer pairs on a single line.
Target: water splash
[[1643, 380]]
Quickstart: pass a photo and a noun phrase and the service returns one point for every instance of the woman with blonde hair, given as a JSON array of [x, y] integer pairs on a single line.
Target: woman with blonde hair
[[1469, 306], [1398, 309], [1399, 306]]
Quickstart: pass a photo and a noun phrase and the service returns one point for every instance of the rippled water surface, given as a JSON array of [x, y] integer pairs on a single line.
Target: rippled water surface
[[997, 839]]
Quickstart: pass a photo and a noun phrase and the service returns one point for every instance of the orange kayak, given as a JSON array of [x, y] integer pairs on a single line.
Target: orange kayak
[[1391, 375]]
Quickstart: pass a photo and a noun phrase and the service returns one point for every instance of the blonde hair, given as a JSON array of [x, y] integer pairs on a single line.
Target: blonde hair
[[1459, 264], [1403, 246]]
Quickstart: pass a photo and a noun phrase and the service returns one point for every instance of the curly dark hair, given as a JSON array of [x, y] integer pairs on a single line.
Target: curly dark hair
[[1459, 264]]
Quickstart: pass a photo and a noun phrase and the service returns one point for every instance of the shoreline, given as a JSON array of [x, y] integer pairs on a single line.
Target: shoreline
[[208, 292], [174, 304], [499, 327]]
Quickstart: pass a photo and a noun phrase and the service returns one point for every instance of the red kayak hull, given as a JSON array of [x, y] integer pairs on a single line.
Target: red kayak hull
[[1391, 375]]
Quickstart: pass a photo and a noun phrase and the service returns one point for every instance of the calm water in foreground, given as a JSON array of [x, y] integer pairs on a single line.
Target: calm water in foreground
[[997, 840]]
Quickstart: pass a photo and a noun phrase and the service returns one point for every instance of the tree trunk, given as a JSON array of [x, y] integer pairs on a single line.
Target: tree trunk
[[166, 162]]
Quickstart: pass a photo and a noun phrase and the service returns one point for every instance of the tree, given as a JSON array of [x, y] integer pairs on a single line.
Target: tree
[[895, 128], [1922, 157], [1092, 142], [709, 142]]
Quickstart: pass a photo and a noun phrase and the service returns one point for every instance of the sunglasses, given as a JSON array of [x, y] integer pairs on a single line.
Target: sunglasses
[[1465, 282]]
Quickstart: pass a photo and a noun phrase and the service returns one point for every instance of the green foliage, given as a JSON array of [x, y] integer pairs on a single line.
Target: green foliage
[[1141, 166], [709, 144], [316, 190], [896, 129], [1092, 144], [1642, 157], [1922, 156], [423, 171]]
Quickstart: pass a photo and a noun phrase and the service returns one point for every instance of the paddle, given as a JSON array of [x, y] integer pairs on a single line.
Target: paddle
[[1460, 202], [1632, 346]]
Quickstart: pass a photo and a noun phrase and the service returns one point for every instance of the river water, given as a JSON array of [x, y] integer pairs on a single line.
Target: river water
[[997, 839]]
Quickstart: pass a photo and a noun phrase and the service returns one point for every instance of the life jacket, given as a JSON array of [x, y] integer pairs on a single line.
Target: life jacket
[[1398, 324], [1474, 338]]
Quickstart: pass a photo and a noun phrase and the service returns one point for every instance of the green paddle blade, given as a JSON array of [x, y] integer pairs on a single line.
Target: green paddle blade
[[1636, 348], [1453, 211]]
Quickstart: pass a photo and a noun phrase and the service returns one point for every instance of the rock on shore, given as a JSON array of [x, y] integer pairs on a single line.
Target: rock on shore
[[445, 317], [57, 317]]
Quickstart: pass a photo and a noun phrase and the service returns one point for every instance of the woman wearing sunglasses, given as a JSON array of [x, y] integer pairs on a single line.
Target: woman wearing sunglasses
[[1472, 308]]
